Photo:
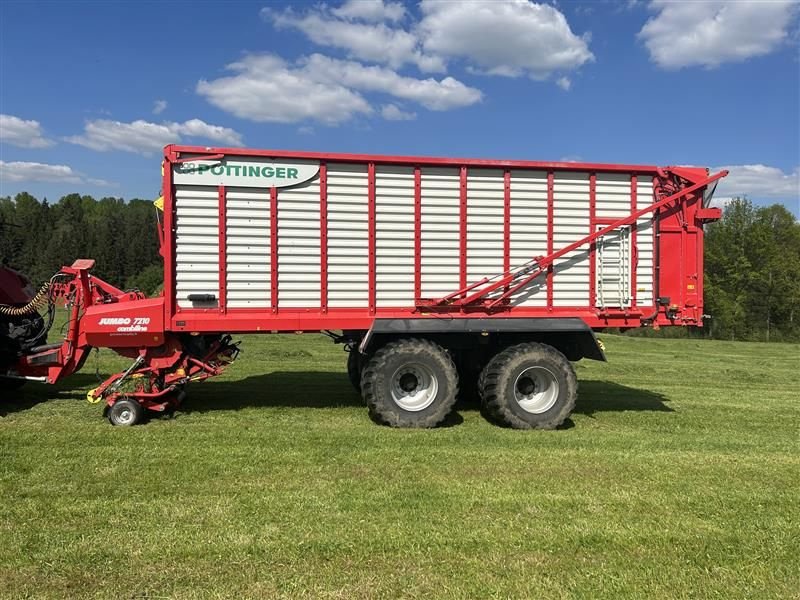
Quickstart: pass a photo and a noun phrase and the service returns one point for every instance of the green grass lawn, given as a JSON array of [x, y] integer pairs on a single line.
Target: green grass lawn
[[678, 476]]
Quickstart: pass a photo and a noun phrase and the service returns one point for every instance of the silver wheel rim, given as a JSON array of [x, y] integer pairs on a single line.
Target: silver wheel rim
[[125, 416], [414, 387], [536, 390]]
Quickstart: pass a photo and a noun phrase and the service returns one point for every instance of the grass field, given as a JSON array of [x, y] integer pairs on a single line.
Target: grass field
[[678, 476]]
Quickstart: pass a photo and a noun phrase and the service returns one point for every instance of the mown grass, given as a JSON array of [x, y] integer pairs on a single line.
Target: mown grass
[[677, 476]]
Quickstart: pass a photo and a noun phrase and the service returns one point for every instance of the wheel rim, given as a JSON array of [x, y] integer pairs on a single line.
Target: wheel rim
[[536, 390], [414, 387], [125, 416]]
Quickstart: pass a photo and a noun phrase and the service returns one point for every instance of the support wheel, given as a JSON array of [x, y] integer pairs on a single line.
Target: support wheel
[[529, 386], [355, 361], [410, 383], [125, 412]]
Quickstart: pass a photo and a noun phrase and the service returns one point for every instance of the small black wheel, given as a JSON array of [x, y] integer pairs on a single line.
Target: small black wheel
[[355, 362], [125, 413], [529, 386], [410, 383]]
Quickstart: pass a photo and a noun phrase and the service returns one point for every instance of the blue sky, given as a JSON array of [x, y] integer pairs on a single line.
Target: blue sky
[[89, 91]]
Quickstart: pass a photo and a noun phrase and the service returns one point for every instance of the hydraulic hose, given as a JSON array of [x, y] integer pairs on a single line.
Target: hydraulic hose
[[40, 299]]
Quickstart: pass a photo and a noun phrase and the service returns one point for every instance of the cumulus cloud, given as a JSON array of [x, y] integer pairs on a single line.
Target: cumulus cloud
[[720, 201], [713, 32], [564, 83], [159, 106], [266, 88], [370, 10], [374, 42], [511, 38], [144, 137], [391, 112], [41, 172], [433, 94], [22, 133], [495, 37], [759, 181]]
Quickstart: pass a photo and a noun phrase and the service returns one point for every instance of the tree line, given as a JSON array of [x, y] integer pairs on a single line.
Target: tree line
[[37, 238], [752, 256]]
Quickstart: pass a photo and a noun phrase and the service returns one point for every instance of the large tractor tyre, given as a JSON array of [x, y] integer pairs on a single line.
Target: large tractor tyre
[[410, 383], [10, 384], [529, 386], [355, 362]]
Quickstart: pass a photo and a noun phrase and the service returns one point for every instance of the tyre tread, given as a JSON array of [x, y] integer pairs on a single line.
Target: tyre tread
[[384, 411], [494, 404]]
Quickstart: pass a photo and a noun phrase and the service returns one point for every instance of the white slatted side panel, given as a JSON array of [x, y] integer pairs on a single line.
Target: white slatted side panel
[[441, 194], [570, 223], [348, 236], [485, 223], [299, 246], [394, 236], [645, 244], [529, 229], [196, 243], [248, 247], [613, 269], [612, 195], [612, 277]]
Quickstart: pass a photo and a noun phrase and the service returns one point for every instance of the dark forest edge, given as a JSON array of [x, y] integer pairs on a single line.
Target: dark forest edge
[[752, 257]]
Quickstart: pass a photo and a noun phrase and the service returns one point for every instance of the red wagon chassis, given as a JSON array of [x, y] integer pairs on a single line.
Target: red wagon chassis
[[367, 245]]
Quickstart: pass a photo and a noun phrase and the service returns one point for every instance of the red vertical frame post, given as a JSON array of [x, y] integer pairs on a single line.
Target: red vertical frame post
[[223, 249], [273, 247], [634, 245], [593, 245], [462, 271], [417, 234], [169, 239], [371, 217], [656, 247], [550, 244], [323, 237], [506, 220]]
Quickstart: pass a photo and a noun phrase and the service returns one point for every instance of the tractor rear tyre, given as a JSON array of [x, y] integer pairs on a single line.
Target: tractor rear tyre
[[410, 383], [355, 361], [125, 413], [10, 384], [529, 386]]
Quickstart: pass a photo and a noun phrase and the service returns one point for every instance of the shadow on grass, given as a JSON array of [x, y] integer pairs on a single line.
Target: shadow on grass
[[604, 396], [327, 389], [33, 393], [321, 389]]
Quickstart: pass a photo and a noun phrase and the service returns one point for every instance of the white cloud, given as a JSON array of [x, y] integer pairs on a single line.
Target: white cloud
[[159, 106], [444, 94], [144, 137], [391, 112], [266, 88], [564, 83], [714, 32], [759, 181], [720, 201], [370, 10], [503, 37], [374, 42], [201, 129], [22, 133], [42, 172]]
